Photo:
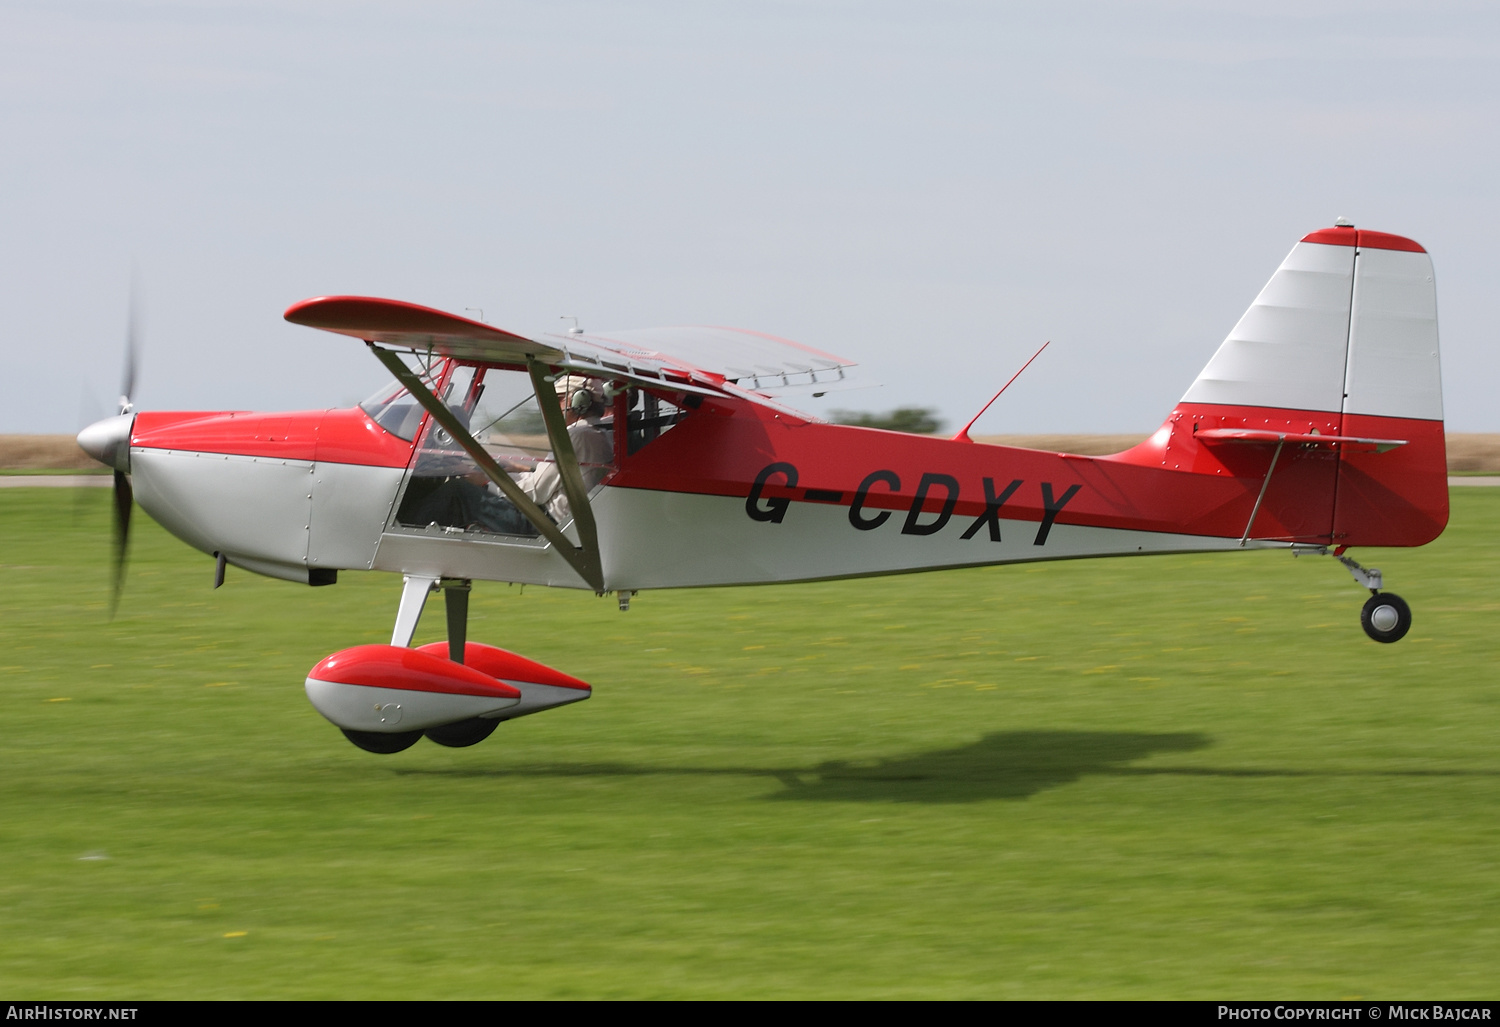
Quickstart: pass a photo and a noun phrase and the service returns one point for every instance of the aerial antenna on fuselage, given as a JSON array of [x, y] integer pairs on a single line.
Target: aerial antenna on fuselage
[[575, 330], [479, 309], [963, 433]]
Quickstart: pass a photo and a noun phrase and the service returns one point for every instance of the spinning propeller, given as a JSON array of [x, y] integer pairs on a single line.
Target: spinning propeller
[[108, 441]]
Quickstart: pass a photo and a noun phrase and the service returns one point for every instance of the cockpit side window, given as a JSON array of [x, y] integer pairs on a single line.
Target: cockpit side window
[[446, 492], [648, 414]]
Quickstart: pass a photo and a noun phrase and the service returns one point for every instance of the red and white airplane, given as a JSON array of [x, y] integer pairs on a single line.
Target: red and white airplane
[[667, 458]]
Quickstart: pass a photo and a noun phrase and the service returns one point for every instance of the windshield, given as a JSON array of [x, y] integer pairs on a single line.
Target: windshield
[[394, 409]]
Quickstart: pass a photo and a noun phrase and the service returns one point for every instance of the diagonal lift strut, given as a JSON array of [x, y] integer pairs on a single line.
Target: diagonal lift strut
[[583, 558]]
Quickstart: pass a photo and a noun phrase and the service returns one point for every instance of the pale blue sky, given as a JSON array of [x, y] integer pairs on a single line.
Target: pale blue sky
[[932, 189]]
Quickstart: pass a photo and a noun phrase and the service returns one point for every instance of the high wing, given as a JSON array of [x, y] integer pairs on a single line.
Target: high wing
[[724, 361], [751, 360], [409, 326], [709, 361]]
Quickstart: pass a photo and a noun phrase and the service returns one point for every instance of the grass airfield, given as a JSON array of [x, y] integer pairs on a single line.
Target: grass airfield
[[1163, 777]]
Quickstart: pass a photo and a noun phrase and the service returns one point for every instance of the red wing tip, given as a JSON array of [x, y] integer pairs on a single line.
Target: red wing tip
[[323, 310], [1346, 235], [312, 312], [375, 316]]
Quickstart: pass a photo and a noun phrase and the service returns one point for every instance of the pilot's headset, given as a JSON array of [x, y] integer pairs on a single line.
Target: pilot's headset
[[576, 396]]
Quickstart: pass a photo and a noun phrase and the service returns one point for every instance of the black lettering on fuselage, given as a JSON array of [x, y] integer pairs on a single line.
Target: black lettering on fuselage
[[856, 517], [929, 479], [1050, 509], [992, 505], [775, 509]]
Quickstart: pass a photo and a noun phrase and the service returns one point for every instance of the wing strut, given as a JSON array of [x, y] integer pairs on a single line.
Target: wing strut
[[584, 559], [570, 473]]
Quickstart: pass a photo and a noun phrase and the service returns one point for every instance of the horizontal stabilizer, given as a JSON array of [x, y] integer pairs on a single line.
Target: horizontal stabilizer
[[1349, 444]]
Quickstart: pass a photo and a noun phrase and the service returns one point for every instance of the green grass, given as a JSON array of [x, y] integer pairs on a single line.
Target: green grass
[[29, 471], [1176, 776]]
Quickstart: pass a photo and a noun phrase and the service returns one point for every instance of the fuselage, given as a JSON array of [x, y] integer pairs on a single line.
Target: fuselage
[[1318, 422], [738, 493]]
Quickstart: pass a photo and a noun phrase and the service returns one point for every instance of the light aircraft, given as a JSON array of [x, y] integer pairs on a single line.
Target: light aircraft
[[670, 458]]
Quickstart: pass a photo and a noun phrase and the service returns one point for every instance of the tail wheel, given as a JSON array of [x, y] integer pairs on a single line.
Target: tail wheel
[[383, 742], [1386, 617], [464, 733]]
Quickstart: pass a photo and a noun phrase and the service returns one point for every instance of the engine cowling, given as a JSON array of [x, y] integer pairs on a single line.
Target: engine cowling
[[387, 689]]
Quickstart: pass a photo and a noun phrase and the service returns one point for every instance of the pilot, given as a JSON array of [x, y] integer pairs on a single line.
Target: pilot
[[582, 408]]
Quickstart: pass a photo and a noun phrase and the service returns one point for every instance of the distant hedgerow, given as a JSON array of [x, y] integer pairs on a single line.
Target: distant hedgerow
[[915, 420]]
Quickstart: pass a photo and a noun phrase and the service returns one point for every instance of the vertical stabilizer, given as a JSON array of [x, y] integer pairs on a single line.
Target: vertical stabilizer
[[1288, 351], [1348, 323], [1341, 345]]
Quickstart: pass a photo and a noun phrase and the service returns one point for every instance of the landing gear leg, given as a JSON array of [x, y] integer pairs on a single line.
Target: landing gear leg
[[456, 600], [1385, 617], [414, 591], [456, 603]]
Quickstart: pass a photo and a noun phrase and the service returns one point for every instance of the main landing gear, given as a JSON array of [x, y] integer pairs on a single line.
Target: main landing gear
[[1385, 617], [456, 605], [386, 698]]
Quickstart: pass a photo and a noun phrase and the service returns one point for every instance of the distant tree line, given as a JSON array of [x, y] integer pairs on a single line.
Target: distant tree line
[[915, 420]]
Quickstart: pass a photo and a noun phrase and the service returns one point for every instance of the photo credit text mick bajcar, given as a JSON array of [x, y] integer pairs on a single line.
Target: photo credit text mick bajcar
[[1361, 1011]]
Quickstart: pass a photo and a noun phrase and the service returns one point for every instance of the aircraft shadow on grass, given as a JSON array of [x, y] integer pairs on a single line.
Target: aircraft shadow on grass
[[1004, 765]]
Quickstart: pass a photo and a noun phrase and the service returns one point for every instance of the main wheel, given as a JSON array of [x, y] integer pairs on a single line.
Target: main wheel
[[464, 733], [1386, 617], [381, 741]]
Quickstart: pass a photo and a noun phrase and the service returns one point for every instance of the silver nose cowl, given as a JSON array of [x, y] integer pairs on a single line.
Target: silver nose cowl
[[108, 441]]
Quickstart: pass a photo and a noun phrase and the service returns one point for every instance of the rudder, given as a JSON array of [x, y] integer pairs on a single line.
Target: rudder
[[1393, 389]]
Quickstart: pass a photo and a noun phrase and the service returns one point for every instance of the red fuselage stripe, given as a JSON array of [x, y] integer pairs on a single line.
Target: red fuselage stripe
[[1171, 482], [333, 436]]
